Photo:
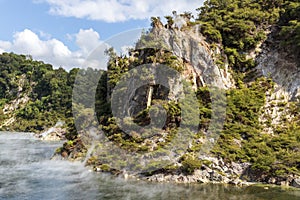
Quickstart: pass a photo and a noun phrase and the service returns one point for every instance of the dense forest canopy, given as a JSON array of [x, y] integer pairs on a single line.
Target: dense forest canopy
[[49, 91]]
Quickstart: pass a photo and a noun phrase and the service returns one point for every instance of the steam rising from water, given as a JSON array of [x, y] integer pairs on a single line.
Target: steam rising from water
[[26, 172]]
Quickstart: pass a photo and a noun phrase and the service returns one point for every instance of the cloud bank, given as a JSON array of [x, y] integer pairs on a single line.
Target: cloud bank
[[119, 10], [51, 50]]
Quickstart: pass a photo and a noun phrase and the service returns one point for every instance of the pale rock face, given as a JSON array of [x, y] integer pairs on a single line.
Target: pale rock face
[[282, 68], [12, 106], [194, 54], [190, 46], [56, 134]]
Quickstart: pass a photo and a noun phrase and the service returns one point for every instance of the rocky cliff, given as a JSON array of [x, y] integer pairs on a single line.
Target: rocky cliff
[[261, 103], [195, 54]]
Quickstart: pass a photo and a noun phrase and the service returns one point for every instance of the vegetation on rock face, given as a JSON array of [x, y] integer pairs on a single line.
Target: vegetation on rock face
[[117, 67], [243, 139], [290, 23], [237, 26], [242, 25]]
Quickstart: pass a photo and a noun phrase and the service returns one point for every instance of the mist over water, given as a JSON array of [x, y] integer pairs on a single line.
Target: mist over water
[[26, 172]]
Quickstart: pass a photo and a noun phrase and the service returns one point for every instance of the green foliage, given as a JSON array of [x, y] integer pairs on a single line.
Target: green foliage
[[12, 68], [210, 32], [243, 109], [238, 25], [117, 66], [290, 24], [49, 92], [243, 139], [190, 163], [105, 167], [170, 21]]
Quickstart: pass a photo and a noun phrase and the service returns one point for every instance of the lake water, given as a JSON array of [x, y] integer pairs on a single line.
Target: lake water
[[26, 172]]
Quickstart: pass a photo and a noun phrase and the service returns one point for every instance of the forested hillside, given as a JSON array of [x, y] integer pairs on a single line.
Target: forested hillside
[[33, 94]]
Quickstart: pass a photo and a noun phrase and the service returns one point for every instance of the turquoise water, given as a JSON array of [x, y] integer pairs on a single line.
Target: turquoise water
[[26, 172]]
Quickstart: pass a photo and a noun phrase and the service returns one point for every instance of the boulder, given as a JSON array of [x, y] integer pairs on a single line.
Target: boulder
[[296, 183], [53, 134]]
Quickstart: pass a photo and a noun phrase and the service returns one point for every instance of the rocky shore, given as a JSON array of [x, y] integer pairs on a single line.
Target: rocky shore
[[217, 172], [213, 170], [55, 133]]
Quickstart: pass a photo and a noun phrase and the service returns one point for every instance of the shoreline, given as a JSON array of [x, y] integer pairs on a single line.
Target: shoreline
[[213, 174], [242, 183], [202, 176]]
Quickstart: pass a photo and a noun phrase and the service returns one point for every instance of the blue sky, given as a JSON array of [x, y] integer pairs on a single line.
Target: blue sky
[[65, 32]]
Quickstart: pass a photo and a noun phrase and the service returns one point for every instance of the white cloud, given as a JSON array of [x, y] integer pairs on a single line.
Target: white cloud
[[120, 10], [52, 50], [87, 40], [4, 45], [90, 52], [29, 42], [45, 35]]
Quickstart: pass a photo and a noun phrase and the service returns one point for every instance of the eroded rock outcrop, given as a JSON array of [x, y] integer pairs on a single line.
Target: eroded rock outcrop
[[197, 55], [280, 64], [282, 67]]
